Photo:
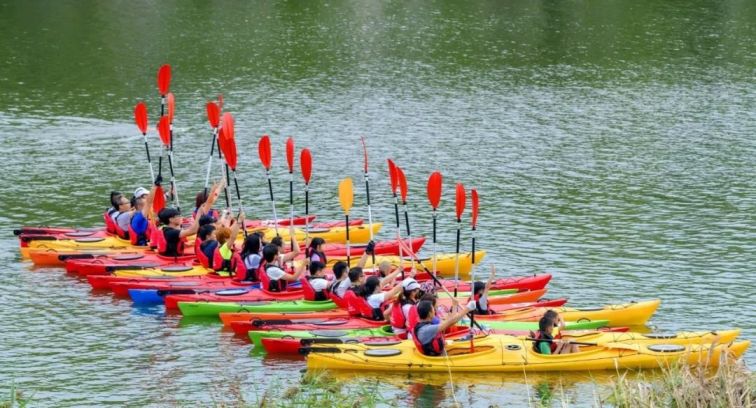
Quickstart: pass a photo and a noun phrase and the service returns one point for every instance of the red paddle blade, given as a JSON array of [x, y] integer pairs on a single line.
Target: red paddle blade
[[140, 117], [392, 175], [263, 149], [460, 200], [171, 102], [164, 79], [364, 150], [228, 126], [305, 161], [434, 189], [228, 147], [402, 183], [164, 130], [213, 114], [475, 203], [158, 203], [290, 154]]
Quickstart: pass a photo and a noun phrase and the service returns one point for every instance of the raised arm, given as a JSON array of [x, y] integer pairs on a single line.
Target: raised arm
[[456, 316], [235, 231], [390, 277], [491, 279], [297, 273], [294, 248]]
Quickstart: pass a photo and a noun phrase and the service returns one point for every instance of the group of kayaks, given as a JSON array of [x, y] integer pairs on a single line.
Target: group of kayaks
[[324, 331]]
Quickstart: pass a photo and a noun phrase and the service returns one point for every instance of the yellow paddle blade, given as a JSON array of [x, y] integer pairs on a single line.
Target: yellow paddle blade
[[346, 194]]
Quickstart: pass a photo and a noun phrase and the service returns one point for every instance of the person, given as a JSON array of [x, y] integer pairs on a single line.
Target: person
[[122, 217], [376, 298], [251, 255], [276, 276], [140, 220], [317, 280], [115, 198], [315, 251], [286, 256], [480, 293], [400, 309], [207, 233], [225, 257], [200, 199], [174, 236], [545, 342], [341, 283], [428, 336]]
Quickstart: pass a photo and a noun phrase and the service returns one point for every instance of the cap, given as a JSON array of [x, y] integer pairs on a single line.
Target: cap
[[141, 191], [410, 284]]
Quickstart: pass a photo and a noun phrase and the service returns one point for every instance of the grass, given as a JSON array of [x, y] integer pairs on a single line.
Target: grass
[[729, 386], [16, 399]]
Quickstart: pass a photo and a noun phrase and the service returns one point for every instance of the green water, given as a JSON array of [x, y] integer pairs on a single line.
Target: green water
[[612, 143]]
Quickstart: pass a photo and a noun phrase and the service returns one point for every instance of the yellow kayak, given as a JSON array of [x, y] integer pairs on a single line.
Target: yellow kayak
[[172, 271], [80, 244], [358, 234], [628, 314], [505, 353], [445, 263]]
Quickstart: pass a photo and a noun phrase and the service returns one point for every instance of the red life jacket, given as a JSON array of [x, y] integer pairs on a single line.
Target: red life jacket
[[399, 320], [155, 235], [321, 256], [434, 348], [478, 309], [137, 238], [163, 245], [352, 300], [340, 302], [118, 231], [233, 265], [541, 335], [310, 293], [110, 225], [200, 254], [412, 319], [362, 308], [278, 285]]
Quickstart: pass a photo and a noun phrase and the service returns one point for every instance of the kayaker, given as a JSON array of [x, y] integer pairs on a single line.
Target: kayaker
[[251, 254], [429, 337], [225, 257], [200, 199], [318, 281], [207, 233], [400, 309], [140, 221], [377, 298], [480, 293], [546, 343], [286, 256], [413, 318], [122, 217], [274, 274], [174, 236], [115, 198], [341, 282], [315, 251]]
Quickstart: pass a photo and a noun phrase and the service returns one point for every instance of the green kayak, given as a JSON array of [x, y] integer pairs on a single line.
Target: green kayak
[[513, 328], [213, 308]]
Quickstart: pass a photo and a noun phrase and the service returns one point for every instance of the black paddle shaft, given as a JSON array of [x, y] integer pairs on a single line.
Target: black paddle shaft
[[346, 216], [307, 201], [396, 211], [406, 219]]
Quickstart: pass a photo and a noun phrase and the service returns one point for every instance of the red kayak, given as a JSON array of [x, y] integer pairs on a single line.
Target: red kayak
[[241, 328], [233, 295], [381, 247]]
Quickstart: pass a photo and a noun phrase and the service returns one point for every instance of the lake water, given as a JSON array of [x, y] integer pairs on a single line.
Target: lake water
[[612, 144]]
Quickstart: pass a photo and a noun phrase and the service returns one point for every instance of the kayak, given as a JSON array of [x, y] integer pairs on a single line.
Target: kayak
[[628, 314], [106, 241], [256, 334], [293, 345], [101, 264], [253, 293], [498, 353], [357, 234], [228, 318], [521, 283], [381, 247], [445, 263], [213, 308]]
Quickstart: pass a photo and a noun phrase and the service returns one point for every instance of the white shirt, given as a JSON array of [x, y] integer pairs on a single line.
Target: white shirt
[[252, 261], [319, 284], [375, 300], [341, 287], [274, 273]]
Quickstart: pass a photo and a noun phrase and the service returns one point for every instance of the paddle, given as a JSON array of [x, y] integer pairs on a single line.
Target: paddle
[[264, 151], [460, 207], [434, 197], [367, 193], [305, 162], [171, 103], [140, 117], [403, 191], [290, 163], [474, 221], [581, 343], [394, 179], [224, 168], [228, 146], [163, 82], [346, 198], [164, 129], [213, 116]]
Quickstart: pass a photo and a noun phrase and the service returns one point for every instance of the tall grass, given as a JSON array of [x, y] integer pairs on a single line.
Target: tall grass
[[16, 399], [731, 385], [320, 389]]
